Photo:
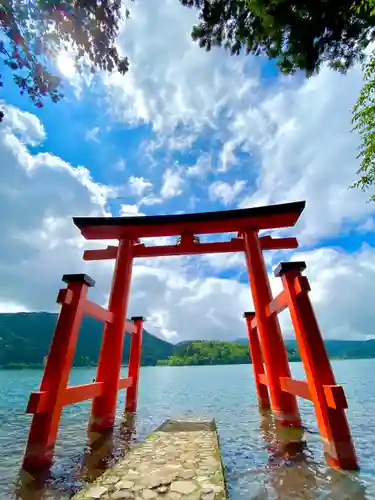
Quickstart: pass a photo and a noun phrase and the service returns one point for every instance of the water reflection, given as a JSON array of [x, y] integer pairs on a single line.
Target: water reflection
[[101, 451], [105, 448], [292, 473], [98, 455], [211, 391], [31, 486]]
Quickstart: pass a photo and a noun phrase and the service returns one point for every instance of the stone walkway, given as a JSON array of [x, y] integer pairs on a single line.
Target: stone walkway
[[180, 460]]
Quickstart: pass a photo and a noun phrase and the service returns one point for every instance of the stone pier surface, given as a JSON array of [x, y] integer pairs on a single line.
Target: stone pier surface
[[179, 461]]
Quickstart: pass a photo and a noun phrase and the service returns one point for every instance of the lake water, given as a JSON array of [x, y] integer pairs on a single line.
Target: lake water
[[226, 393]]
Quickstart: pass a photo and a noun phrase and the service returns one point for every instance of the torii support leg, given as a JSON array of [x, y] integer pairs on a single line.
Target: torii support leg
[[328, 398], [134, 365], [44, 426], [284, 405], [257, 362], [104, 407]]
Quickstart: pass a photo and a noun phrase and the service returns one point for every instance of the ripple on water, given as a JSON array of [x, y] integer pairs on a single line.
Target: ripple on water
[[225, 393]]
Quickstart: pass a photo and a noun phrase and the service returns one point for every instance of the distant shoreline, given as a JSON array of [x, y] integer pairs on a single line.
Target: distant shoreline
[[231, 364], [39, 367]]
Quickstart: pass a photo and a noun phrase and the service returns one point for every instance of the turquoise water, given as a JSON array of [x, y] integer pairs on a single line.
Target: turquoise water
[[224, 392]]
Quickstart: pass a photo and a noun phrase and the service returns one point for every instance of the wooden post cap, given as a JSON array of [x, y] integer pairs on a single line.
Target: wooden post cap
[[249, 314], [284, 267], [78, 278]]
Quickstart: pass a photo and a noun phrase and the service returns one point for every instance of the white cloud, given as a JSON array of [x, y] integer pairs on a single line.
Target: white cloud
[[23, 125], [39, 194], [204, 308], [181, 142], [201, 168], [307, 151], [227, 156], [295, 133], [92, 134], [151, 199], [222, 262], [341, 290], [130, 211], [211, 308], [225, 192], [173, 83], [172, 183], [138, 185], [40, 243]]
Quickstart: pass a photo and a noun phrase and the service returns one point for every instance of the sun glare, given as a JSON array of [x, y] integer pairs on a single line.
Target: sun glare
[[66, 65]]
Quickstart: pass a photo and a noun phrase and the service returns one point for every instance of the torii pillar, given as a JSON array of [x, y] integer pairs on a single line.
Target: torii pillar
[[284, 405]]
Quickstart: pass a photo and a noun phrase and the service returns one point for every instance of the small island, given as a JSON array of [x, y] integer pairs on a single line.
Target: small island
[[213, 352]]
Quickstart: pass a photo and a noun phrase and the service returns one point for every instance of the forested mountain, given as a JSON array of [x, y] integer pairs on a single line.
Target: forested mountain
[[211, 352], [25, 340]]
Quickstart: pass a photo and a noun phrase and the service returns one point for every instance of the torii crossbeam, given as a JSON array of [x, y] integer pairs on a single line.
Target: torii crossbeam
[[275, 387]]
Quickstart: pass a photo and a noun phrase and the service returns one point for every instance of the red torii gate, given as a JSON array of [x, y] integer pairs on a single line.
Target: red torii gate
[[275, 387]]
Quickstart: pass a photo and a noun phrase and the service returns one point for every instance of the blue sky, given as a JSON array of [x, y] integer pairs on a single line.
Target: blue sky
[[186, 131]]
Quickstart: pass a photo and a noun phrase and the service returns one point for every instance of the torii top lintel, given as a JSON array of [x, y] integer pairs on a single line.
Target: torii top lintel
[[225, 221]]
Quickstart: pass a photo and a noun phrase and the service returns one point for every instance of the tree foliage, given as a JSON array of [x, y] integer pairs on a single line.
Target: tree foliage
[[213, 352], [34, 32], [299, 34], [364, 124]]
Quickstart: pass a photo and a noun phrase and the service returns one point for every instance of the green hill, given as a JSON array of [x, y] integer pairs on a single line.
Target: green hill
[[339, 349], [212, 353], [25, 340], [346, 349]]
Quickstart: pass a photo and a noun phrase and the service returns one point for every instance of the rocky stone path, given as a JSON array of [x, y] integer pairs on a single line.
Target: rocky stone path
[[179, 461]]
